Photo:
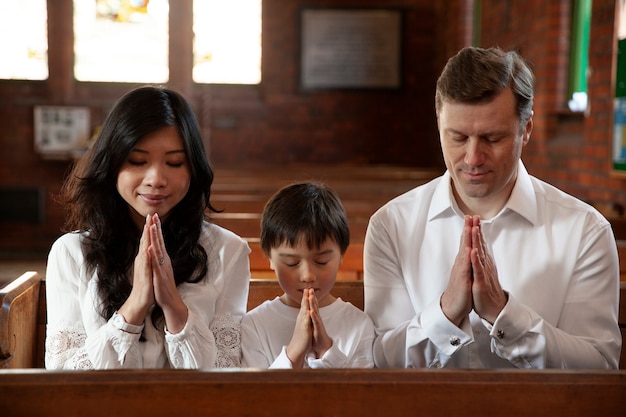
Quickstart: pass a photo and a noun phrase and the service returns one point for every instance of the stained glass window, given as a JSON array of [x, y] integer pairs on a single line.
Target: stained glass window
[[121, 40]]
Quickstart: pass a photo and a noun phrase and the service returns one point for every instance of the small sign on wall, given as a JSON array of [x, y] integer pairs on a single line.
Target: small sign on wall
[[346, 48], [61, 131]]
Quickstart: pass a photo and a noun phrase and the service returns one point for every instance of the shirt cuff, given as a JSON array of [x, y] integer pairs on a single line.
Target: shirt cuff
[[185, 332], [442, 332], [511, 324], [333, 358]]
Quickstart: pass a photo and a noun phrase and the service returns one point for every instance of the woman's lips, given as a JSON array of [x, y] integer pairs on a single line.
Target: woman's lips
[[153, 199]]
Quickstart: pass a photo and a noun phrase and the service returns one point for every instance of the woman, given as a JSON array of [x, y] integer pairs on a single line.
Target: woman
[[144, 280]]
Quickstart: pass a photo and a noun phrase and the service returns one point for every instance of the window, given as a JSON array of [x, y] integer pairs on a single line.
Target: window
[[227, 41], [121, 41], [581, 22], [619, 104], [128, 40], [24, 45]]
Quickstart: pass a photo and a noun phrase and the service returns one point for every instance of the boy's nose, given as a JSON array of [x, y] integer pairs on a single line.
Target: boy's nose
[[306, 273]]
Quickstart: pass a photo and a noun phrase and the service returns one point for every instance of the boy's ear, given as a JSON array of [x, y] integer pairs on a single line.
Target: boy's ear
[[272, 267]]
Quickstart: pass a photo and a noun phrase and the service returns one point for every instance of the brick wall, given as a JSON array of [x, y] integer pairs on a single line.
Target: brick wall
[[281, 123], [278, 123], [571, 151]]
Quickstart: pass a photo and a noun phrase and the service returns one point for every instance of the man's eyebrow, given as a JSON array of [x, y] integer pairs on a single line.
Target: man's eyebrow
[[498, 132]]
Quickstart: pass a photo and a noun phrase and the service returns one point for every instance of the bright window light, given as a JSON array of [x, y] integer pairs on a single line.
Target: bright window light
[[121, 40], [227, 41], [24, 45]]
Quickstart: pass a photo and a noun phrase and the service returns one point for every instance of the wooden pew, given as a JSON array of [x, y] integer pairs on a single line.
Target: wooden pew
[[251, 203], [304, 393], [621, 252], [248, 225], [619, 227], [347, 180], [325, 172], [351, 268], [242, 193], [268, 289], [622, 322], [19, 330], [23, 316]]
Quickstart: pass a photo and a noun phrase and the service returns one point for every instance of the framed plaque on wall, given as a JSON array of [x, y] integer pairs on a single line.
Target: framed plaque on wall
[[350, 48]]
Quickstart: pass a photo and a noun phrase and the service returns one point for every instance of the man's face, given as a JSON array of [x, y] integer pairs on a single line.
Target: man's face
[[481, 146]]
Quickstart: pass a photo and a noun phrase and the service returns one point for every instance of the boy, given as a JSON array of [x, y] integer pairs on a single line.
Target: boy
[[304, 234]]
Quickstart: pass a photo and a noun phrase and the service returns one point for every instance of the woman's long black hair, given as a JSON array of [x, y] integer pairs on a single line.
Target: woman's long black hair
[[95, 206]]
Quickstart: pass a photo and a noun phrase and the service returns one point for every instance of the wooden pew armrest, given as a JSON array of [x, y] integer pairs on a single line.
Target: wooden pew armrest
[[18, 321]]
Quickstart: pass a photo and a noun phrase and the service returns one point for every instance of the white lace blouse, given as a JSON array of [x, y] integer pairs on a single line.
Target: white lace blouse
[[78, 337]]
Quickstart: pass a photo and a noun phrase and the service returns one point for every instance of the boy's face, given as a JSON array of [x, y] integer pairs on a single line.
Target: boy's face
[[300, 267]]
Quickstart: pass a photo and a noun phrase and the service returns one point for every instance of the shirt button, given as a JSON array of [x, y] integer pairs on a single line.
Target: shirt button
[[437, 364], [454, 341], [500, 333]]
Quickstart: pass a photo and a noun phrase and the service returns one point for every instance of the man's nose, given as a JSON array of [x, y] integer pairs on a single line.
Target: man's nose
[[474, 153]]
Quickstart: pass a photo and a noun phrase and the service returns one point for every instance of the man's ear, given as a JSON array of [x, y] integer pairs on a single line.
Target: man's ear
[[528, 129]]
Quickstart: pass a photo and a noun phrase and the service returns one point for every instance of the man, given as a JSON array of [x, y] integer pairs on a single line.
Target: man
[[487, 266]]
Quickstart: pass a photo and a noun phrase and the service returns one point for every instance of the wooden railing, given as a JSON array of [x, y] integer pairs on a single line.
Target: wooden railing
[[305, 393]]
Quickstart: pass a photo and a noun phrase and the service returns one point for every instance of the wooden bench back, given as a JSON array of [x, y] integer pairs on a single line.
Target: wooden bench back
[[20, 346], [351, 268], [308, 393], [23, 315], [267, 289]]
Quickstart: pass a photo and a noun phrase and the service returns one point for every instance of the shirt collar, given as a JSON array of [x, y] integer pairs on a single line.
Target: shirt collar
[[522, 200], [443, 204]]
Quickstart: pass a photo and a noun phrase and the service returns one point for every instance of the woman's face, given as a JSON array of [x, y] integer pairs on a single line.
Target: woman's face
[[155, 176]]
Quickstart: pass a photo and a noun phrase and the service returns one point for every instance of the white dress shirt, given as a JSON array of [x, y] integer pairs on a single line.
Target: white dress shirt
[[78, 337], [555, 255], [267, 329]]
